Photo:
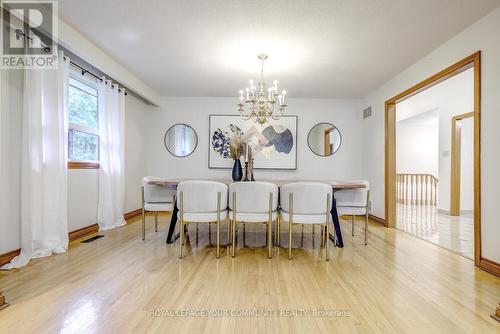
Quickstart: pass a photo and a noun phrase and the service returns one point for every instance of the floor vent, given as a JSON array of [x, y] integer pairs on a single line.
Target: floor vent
[[86, 241]]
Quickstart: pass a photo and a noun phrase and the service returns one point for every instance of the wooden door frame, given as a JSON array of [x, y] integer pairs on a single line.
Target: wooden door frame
[[472, 61], [456, 162], [327, 147]]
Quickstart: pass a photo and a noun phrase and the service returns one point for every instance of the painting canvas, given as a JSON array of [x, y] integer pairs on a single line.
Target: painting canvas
[[277, 141]]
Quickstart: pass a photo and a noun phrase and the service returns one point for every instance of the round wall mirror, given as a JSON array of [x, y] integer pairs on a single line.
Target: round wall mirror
[[324, 139], [181, 140]]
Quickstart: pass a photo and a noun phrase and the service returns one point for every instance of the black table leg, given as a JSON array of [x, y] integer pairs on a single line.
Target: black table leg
[[336, 225], [171, 229]]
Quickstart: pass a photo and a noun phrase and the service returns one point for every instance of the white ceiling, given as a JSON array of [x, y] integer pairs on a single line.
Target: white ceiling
[[317, 48]]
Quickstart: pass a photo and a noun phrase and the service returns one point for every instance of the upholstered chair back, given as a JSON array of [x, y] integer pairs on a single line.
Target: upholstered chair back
[[253, 197], [157, 193], [309, 198], [353, 197], [201, 196]]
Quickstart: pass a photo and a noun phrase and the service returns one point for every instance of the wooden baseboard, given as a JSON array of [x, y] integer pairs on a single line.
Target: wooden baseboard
[[132, 214], [80, 233], [6, 257], [72, 236], [377, 219], [490, 266]]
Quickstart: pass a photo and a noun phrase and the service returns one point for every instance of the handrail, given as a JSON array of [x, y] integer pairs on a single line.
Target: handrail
[[416, 189]]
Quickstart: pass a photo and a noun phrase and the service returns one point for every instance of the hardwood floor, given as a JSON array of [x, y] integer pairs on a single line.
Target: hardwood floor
[[396, 284], [455, 233]]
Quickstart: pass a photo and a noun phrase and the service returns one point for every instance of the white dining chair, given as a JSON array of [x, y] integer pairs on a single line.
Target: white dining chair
[[253, 202], [155, 198], [201, 202], [354, 202], [306, 203]]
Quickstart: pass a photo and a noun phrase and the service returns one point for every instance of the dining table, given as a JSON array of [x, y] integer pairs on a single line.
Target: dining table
[[336, 185]]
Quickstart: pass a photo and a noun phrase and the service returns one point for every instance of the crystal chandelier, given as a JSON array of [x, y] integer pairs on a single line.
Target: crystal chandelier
[[260, 102]]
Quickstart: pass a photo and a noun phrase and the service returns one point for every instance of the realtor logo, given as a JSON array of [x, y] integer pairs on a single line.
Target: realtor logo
[[29, 32]]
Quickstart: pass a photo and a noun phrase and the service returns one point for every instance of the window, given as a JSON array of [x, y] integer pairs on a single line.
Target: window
[[83, 124]]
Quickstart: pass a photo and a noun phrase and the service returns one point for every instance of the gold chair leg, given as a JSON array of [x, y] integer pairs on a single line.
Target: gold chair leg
[[270, 226], [218, 224], [327, 242], [143, 216], [290, 222], [269, 239], [228, 237], [156, 221], [143, 224], [233, 226], [366, 229], [367, 216], [234, 238], [181, 238]]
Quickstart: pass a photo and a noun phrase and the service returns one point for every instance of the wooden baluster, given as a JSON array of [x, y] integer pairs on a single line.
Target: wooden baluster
[[435, 191], [415, 192], [399, 188], [432, 190], [398, 180], [426, 189], [416, 189], [420, 188], [412, 189], [415, 199], [406, 188], [426, 179]]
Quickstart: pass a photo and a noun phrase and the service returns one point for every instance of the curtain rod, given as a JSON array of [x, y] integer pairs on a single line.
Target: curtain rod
[[19, 33]]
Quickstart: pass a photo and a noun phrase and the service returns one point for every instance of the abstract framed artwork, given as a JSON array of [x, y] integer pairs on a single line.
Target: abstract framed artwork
[[277, 141]]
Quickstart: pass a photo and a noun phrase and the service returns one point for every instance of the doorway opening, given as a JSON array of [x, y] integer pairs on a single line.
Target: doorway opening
[[472, 63], [434, 164]]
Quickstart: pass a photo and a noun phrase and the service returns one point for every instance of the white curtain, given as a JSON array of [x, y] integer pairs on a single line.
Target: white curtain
[[111, 156], [44, 219]]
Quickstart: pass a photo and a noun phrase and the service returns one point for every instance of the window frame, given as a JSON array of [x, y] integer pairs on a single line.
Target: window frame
[[84, 164]]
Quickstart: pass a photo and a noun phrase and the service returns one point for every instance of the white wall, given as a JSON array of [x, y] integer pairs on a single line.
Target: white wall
[[454, 96], [344, 114], [417, 147], [467, 165], [136, 114], [480, 36], [83, 184]]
